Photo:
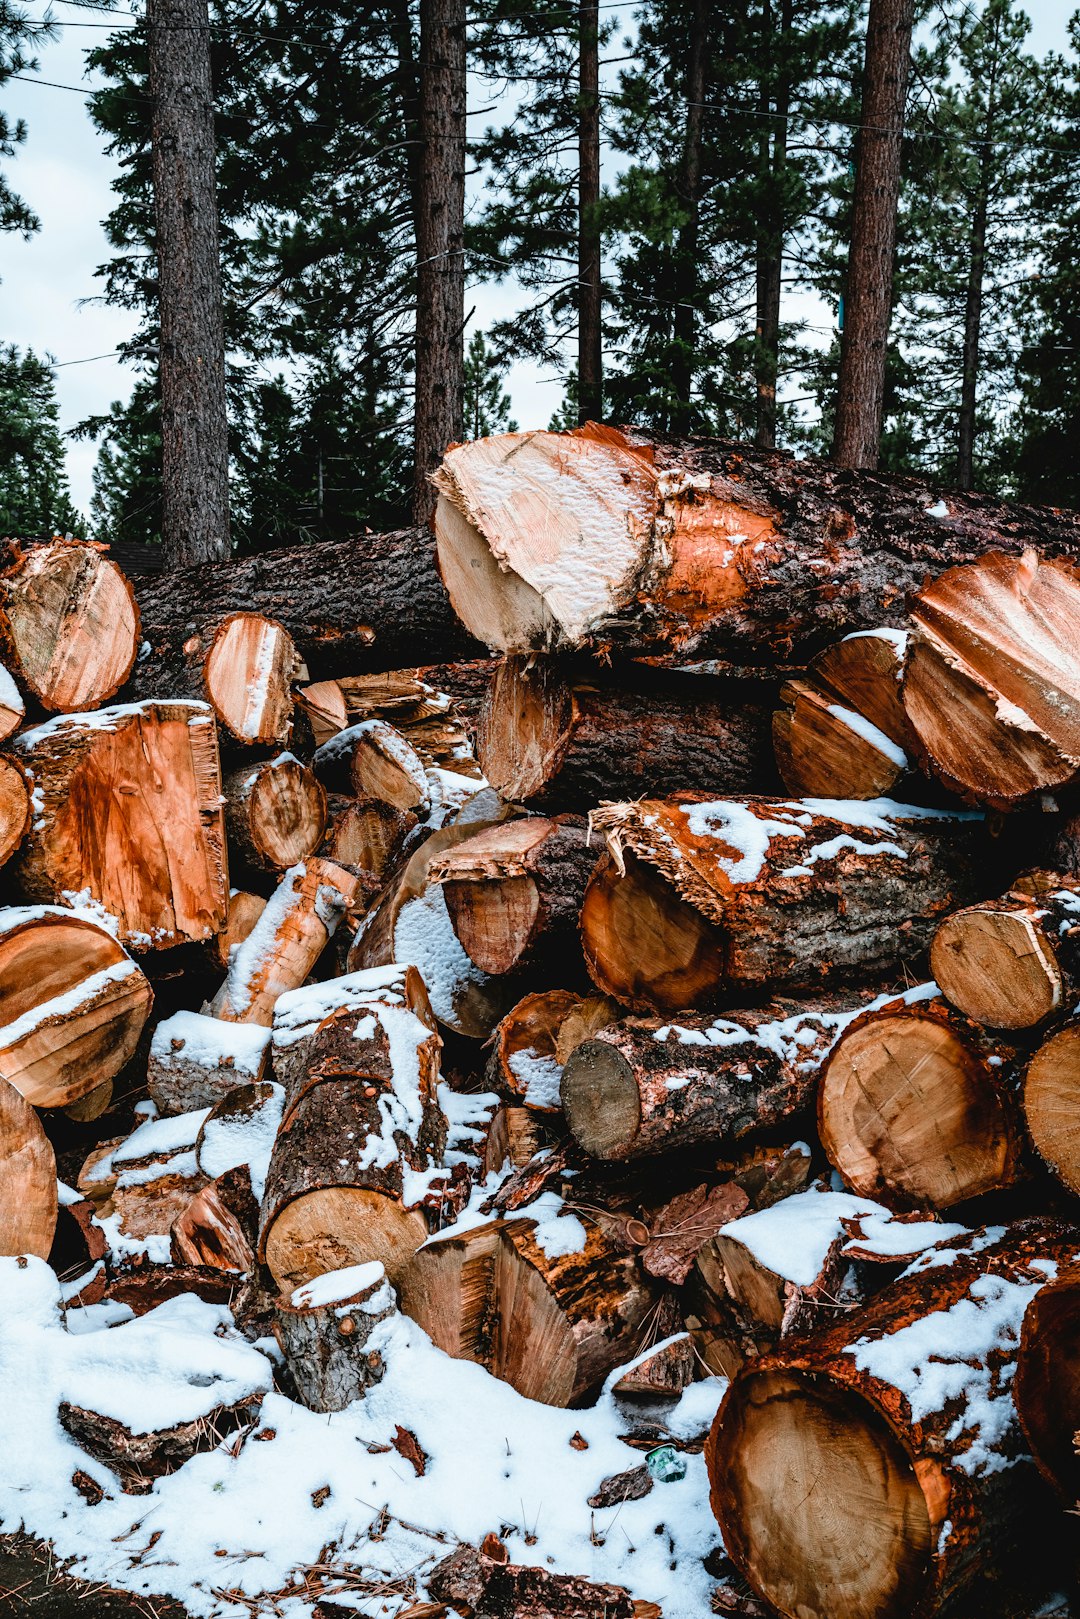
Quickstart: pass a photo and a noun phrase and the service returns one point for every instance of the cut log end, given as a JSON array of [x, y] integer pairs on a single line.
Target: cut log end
[[28, 1205], [248, 676], [71, 625], [338, 1226], [824, 750], [601, 1099], [1047, 1385], [14, 807], [995, 967], [524, 720], [283, 808], [644, 946], [1052, 1104], [493, 920]]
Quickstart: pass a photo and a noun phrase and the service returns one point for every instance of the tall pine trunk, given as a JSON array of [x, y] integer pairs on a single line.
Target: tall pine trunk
[[868, 304], [686, 277], [590, 343], [194, 430], [772, 143], [973, 304], [440, 222]]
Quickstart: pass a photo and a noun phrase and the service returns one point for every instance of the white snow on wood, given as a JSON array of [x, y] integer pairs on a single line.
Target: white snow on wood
[[336, 1285], [899, 638], [870, 733], [938, 509], [228, 1140], [258, 685], [424, 938], [249, 958], [539, 1077], [80, 997], [832, 847], [558, 1232], [9, 693], [299, 1012], [109, 719], [161, 1138], [193, 1037]]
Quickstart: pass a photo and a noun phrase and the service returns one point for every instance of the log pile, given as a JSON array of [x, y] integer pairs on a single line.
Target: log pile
[[684, 986]]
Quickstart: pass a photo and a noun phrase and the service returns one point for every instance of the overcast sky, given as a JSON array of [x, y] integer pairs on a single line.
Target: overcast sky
[[65, 174]]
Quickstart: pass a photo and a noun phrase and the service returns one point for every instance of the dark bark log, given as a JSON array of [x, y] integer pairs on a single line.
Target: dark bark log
[[194, 434], [140, 1458], [323, 1330], [1013, 962], [860, 400], [299, 1017], [440, 222], [590, 373], [499, 1590]]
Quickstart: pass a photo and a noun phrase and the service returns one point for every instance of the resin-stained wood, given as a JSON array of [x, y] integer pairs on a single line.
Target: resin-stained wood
[[248, 677], [27, 1179], [69, 626]]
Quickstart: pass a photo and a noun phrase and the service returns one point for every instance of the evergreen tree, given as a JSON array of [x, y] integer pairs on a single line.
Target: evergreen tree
[[18, 36], [487, 407], [34, 498]]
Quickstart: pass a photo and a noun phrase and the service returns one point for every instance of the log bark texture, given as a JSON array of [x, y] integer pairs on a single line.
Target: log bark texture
[[323, 1329]]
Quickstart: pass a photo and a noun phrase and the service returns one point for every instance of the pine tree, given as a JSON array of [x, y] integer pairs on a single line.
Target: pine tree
[[487, 407], [34, 497], [18, 36]]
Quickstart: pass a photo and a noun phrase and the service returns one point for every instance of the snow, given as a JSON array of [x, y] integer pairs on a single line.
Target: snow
[[161, 1138], [870, 733], [82, 994], [899, 638], [938, 509], [334, 1286], [539, 1077], [246, 960], [209, 1042], [106, 719], [299, 1012], [424, 938], [450, 792], [557, 1232], [748, 834], [258, 684], [9, 693], [229, 1139], [880, 814], [888, 1238], [832, 847]]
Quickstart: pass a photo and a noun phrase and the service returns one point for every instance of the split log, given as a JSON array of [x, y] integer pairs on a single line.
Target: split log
[[248, 676], [1051, 1098], [917, 1107], [28, 1204], [561, 736], [644, 1086], [324, 1329], [77, 1254], [992, 679], [275, 814], [69, 626], [432, 707], [374, 601], [1011, 963], [661, 1373], [286, 942], [365, 833], [534, 1039], [826, 750], [514, 892], [195, 1060], [549, 1309], [245, 910], [217, 1229], [300, 1013], [878, 1466], [515, 1136], [373, 760], [155, 1175], [697, 549], [14, 807], [128, 808], [474, 1583], [12, 707], [1047, 1384], [74, 1004], [697, 899], [865, 670]]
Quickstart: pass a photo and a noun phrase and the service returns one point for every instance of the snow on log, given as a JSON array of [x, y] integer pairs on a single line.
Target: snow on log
[[1047, 1386], [248, 677], [28, 1202], [373, 760], [699, 898], [127, 808], [433, 707], [917, 1107], [238, 1133], [992, 678], [73, 1003], [564, 736], [15, 801], [275, 814], [644, 1086], [877, 1467], [1051, 1099], [604, 539], [300, 1013], [196, 1060], [533, 1040], [245, 909], [324, 1329], [12, 707], [1013, 962], [69, 626]]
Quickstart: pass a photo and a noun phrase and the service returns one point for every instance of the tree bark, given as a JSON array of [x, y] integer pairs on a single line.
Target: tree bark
[[590, 374], [194, 430], [476, 1583], [772, 149], [440, 304], [323, 1329], [195, 1060], [688, 190], [860, 397]]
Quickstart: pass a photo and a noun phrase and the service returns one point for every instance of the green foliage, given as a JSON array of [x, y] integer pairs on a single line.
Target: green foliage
[[34, 498], [18, 35], [487, 407]]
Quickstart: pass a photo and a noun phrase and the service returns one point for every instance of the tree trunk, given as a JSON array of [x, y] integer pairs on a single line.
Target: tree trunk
[[1047, 1385], [275, 814], [27, 1179], [688, 191], [966, 422], [772, 148], [299, 1015], [860, 399], [852, 1473], [440, 301], [196, 1060], [696, 900], [1011, 963], [590, 372], [194, 431], [709, 550], [323, 1328]]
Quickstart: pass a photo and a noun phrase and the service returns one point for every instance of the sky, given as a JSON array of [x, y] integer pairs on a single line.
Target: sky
[[48, 290]]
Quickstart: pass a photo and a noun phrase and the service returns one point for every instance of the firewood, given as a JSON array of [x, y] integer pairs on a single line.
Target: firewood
[[275, 814], [696, 899], [12, 707], [248, 676], [824, 749], [156, 1175], [558, 736], [14, 807], [864, 671], [523, 1062], [497, 1589], [74, 1004], [696, 549], [286, 941], [196, 1060], [238, 1133], [1047, 1384], [245, 910], [69, 626], [373, 760], [992, 679], [128, 808], [679, 1230], [664, 1372], [140, 1458], [432, 707], [324, 1329], [916, 1108], [27, 1178], [878, 1465], [645, 1085], [1051, 1094], [514, 892], [365, 833], [77, 1254], [550, 1308], [1012, 962], [515, 1136], [91, 1106], [211, 1233], [300, 1014]]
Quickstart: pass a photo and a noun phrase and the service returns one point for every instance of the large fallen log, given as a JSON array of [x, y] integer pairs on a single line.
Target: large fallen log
[[700, 898], [561, 735], [605, 539], [1013, 962], [1047, 1385], [128, 810], [877, 1467]]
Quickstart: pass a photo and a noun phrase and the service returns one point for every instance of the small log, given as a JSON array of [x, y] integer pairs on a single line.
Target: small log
[[211, 1232], [696, 899], [324, 1329], [433, 708], [238, 1134], [91, 1106], [992, 679], [275, 814], [865, 671], [365, 833], [560, 736], [515, 1137], [286, 941], [14, 807], [475, 1583], [28, 1202], [878, 1466], [549, 1310], [248, 676], [77, 1254], [69, 626], [155, 1175], [664, 1372], [245, 910], [1047, 1384], [74, 1004], [373, 760], [140, 1458], [826, 750], [643, 1086], [301, 1013], [128, 808], [12, 707], [1011, 963], [916, 1107], [1051, 1100], [514, 892], [523, 1062], [195, 1060]]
